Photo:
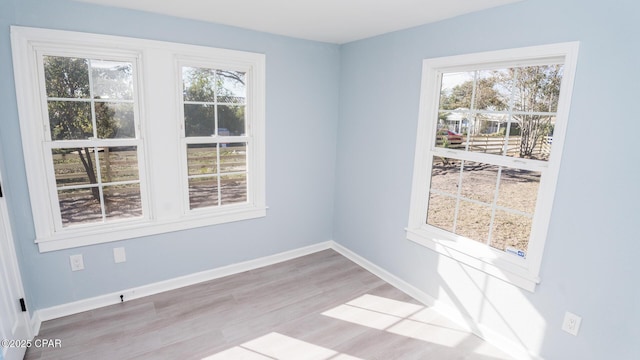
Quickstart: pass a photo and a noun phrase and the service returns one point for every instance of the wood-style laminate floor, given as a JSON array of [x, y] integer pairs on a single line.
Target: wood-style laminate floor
[[319, 306]]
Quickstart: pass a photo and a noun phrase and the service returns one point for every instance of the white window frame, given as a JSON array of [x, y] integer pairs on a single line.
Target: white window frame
[[522, 272], [160, 163], [215, 139]]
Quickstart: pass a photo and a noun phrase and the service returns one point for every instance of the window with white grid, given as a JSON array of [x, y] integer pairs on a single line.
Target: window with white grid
[[216, 141], [127, 137], [490, 138], [93, 144]]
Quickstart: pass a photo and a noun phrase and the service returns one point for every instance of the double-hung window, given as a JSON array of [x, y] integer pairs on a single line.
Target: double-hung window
[[127, 137], [215, 140], [489, 144], [92, 141]]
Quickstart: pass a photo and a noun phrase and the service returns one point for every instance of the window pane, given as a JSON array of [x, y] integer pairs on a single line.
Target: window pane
[[233, 157], [199, 84], [199, 120], [202, 159], [537, 88], [203, 192], [518, 189], [115, 120], [70, 120], [66, 77], [479, 181], [441, 212], [445, 175], [74, 167], [510, 231], [451, 139], [232, 87], [546, 141], [231, 120], [79, 206], [534, 134], [487, 144], [233, 188], [119, 164], [122, 201], [473, 221], [490, 124], [456, 90], [492, 90], [112, 80]]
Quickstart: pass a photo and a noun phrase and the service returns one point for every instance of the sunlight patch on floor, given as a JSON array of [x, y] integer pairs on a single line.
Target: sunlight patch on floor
[[489, 351], [281, 347], [392, 316], [401, 318], [237, 353]]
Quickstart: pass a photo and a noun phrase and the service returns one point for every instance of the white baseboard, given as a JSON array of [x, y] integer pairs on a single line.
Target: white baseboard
[[452, 313], [35, 324], [445, 309], [79, 306]]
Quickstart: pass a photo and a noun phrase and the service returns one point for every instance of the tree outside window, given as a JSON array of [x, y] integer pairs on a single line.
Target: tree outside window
[[90, 106]]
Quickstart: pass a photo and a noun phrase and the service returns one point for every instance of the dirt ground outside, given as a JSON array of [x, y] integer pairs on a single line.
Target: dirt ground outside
[[79, 206], [123, 201], [465, 198]]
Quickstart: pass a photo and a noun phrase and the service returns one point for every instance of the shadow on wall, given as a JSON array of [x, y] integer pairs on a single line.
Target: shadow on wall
[[479, 299]]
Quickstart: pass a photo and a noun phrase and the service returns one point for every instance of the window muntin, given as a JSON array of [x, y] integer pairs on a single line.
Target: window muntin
[[94, 149], [214, 117], [479, 195]]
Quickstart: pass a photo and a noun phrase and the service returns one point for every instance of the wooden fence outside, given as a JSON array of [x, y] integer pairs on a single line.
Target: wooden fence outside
[[122, 165], [496, 144]]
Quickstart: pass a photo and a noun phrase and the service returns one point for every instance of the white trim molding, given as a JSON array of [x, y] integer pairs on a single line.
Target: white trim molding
[[79, 306], [492, 337]]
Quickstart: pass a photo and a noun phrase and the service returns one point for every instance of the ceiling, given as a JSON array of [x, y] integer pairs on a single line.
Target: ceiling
[[333, 21]]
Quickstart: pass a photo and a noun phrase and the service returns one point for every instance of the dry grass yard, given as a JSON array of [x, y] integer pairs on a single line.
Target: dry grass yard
[[465, 198]]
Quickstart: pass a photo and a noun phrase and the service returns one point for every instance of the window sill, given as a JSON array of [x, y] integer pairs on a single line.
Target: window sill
[[508, 271], [73, 238]]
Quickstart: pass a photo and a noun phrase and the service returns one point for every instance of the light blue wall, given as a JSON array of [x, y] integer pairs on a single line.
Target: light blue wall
[[302, 113], [590, 264], [367, 144]]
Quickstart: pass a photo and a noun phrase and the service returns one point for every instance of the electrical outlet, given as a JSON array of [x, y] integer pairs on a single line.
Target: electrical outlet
[[119, 256], [571, 323], [77, 263]]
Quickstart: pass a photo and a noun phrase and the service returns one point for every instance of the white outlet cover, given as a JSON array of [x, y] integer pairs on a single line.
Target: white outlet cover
[[571, 323], [77, 262], [119, 255]]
